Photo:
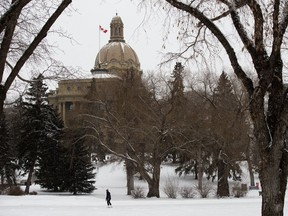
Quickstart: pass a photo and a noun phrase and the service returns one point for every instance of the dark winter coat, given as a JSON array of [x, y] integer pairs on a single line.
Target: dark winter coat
[[108, 195]]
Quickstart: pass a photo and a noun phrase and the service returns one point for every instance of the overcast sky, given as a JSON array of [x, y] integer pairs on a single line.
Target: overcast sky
[[143, 31], [145, 37]]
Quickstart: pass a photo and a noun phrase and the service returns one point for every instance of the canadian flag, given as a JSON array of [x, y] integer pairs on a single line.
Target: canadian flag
[[102, 29]]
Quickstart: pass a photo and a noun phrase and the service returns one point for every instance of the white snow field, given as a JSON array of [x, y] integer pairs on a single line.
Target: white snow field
[[113, 177]]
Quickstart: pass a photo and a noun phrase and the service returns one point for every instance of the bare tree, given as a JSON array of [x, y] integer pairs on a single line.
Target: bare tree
[[142, 127], [22, 29], [261, 27]]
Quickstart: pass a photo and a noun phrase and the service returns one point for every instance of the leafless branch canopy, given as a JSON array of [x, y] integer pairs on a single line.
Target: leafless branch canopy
[[24, 26]]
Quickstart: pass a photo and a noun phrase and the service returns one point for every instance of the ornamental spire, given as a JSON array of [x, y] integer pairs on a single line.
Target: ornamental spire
[[116, 29]]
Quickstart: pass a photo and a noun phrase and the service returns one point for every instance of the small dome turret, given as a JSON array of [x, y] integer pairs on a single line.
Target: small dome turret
[[116, 30]]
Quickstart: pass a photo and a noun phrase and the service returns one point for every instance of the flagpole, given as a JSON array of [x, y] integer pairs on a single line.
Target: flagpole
[[99, 45], [104, 30], [99, 36]]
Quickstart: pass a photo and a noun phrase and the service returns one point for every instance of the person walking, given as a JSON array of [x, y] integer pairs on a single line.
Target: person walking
[[108, 198]]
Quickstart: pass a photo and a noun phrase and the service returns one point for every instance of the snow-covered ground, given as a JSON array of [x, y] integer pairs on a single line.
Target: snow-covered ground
[[113, 177]]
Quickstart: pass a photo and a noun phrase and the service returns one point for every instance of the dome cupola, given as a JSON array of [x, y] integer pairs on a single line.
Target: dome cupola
[[116, 30]]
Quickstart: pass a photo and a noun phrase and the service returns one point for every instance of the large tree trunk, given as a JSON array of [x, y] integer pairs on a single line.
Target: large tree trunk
[[154, 184], [130, 176], [270, 139], [153, 189], [223, 185], [273, 195], [273, 178]]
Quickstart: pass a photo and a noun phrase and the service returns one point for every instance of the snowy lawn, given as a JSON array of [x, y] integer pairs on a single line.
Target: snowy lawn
[[113, 177]]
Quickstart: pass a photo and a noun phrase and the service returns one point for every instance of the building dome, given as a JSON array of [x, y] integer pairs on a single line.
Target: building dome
[[116, 55]]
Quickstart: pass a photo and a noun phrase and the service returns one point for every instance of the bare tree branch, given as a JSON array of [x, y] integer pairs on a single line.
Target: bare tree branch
[[42, 34], [221, 37], [16, 6]]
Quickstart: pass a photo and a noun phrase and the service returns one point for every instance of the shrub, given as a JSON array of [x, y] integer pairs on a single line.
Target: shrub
[[171, 188], [33, 193], [137, 193], [15, 191], [207, 190], [239, 190], [4, 188], [187, 192]]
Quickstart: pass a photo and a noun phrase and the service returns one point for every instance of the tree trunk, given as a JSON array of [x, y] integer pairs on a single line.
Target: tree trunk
[[154, 184], [196, 170], [174, 157], [130, 176], [2, 99], [273, 193], [223, 186], [153, 190], [273, 176], [29, 178], [251, 173], [273, 168], [200, 176], [200, 169]]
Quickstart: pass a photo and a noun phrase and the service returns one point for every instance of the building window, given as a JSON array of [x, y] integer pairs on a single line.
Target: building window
[[69, 106]]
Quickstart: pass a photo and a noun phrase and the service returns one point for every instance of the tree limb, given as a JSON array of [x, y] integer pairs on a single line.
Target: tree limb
[[222, 39], [226, 13], [41, 35], [15, 6], [242, 33], [10, 25], [258, 29], [279, 28], [21, 78]]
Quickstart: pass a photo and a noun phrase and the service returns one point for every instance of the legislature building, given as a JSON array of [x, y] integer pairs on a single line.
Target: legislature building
[[115, 62]]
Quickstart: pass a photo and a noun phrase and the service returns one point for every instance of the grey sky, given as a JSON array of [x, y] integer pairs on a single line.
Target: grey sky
[[83, 26]]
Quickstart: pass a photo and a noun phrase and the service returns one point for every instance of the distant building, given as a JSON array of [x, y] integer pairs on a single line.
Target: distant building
[[115, 62]]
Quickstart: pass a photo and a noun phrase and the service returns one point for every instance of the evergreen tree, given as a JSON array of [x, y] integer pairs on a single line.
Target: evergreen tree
[[177, 101], [228, 129], [39, 131], [224, 95], [177, 87], [80, 166], [51, 168]]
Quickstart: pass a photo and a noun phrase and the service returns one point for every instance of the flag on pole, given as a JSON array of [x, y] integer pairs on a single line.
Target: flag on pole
[[102, 29]]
